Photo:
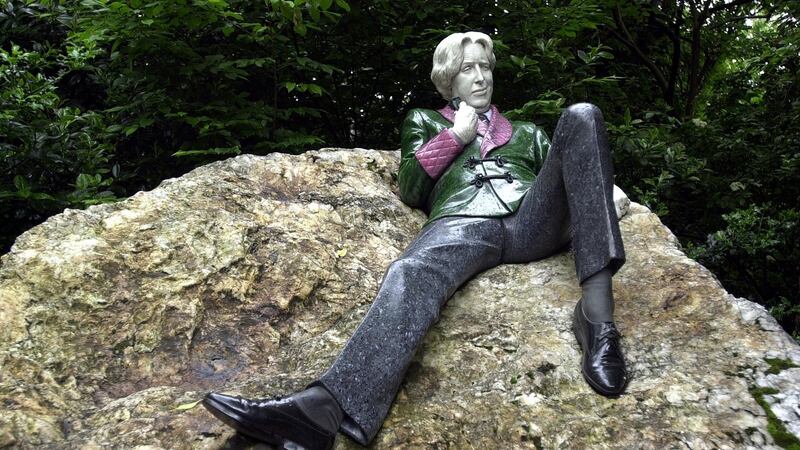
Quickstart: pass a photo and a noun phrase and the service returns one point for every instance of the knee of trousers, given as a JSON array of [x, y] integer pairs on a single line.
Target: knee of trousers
[[417, 286], [584, 130], [584, 112]]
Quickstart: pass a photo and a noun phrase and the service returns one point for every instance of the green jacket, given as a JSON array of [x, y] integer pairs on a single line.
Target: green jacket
[[472, 184]]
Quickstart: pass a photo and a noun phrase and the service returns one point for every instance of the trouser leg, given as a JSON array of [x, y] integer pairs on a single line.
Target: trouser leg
[[573, 189], [365, 377]]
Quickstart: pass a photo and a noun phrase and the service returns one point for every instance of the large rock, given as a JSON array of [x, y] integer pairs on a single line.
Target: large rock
[[248, 275]]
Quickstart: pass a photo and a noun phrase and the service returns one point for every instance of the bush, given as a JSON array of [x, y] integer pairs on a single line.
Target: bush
[[53, 156], [651, 159], [758, 255]]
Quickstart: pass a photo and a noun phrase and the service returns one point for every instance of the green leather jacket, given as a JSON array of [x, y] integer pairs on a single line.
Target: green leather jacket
[[463, 189]]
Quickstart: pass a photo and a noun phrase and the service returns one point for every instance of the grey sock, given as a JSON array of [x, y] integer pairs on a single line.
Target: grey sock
[[598, 300], [321, 407]]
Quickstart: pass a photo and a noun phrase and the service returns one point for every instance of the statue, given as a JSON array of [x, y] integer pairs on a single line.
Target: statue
[[496, 192]]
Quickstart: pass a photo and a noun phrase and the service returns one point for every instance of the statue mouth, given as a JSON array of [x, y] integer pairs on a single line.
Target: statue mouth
[[479, 92]]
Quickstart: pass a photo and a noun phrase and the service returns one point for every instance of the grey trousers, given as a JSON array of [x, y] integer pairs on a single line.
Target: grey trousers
[[573, 191]]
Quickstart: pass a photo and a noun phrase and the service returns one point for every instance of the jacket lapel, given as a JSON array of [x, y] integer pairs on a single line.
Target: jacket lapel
[[449, 113], [497, 134]]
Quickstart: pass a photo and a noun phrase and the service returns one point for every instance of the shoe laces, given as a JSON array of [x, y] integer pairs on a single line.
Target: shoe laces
[[610, 333], [611, 336]]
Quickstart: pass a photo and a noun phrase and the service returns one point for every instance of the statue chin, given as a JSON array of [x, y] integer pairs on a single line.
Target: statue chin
[[480, 106], [481, 103]]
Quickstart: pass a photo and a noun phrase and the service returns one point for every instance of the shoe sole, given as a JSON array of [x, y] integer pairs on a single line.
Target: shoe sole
[[589, 381], [250, 429]]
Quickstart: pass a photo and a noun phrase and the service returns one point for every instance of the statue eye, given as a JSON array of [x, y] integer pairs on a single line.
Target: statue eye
[[466, 68]]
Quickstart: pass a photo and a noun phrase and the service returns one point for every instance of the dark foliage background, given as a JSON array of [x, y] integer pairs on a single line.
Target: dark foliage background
[[101, 98]]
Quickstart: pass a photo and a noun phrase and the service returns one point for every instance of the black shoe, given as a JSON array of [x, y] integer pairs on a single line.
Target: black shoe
[[603, 365], [277, 421]]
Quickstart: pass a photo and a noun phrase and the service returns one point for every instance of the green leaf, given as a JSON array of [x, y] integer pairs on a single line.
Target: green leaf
[[148, 21], [290, 86], [235, 150], [187, 406], [737, 186], [325, 4], [40, 196], [287, 11], [343, 4], [315, 89], [84, 181], [22, 185]]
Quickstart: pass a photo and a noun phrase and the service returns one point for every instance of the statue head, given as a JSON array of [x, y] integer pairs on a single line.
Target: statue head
[[462, 67]]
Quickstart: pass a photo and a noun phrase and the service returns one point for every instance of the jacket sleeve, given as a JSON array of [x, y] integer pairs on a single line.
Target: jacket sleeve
[[422, 158]]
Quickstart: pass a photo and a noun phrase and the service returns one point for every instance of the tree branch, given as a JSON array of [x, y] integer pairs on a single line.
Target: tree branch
[[628, 41], [665, 27], [732, 4], [738, 18], [676, 59]]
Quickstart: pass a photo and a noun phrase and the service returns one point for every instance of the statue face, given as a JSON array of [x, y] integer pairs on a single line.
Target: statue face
[[473, 83]]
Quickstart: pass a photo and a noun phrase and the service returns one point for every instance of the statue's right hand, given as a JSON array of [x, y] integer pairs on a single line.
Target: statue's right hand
[[465, 125]]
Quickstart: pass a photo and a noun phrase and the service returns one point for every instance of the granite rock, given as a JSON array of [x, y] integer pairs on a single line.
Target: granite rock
[[248, 275]]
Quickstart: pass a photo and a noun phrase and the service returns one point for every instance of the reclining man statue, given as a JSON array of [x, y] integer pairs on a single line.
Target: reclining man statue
[[496, 192]]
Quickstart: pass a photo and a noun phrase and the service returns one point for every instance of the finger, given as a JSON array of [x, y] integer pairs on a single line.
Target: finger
[[462, 105]]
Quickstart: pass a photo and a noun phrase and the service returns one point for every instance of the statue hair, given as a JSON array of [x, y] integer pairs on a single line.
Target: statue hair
[[449, 55]]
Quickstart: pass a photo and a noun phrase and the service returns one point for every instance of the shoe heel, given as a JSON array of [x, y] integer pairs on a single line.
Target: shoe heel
[[576, 328]]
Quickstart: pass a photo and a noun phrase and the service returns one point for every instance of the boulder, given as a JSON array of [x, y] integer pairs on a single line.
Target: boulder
[[248, 276]]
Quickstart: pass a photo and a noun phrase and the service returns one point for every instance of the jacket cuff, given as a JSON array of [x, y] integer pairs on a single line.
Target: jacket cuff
[[437, 154]]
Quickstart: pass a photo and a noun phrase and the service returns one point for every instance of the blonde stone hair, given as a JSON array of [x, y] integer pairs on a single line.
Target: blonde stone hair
[[449, 55]]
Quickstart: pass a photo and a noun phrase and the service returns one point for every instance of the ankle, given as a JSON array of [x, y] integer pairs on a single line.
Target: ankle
[[319, 405], [596, 317], [597, 301]]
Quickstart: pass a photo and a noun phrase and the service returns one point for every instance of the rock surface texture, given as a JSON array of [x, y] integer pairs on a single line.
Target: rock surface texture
[[248, 275]]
